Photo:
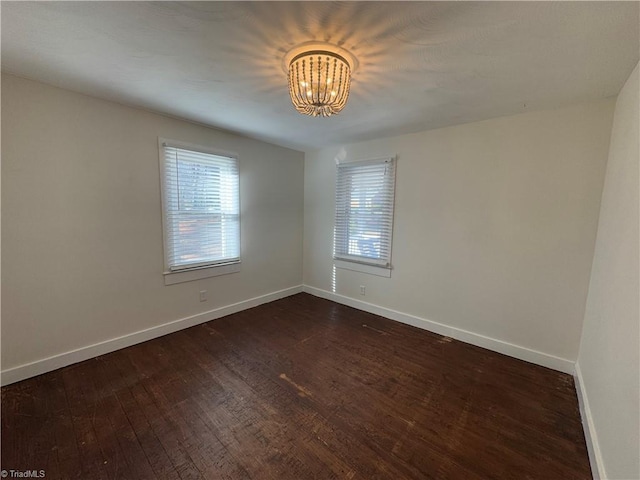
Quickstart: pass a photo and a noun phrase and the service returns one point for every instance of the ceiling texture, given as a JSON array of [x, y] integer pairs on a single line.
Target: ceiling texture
[[422, 65]]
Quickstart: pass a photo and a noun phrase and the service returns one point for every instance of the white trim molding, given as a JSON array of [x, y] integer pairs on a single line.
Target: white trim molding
[[172, 278], [22, 372], [516, 351], [363, 268], [590, 435]]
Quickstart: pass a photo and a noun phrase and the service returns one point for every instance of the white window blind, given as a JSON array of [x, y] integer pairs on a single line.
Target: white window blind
[[364, 211], [201, 208]]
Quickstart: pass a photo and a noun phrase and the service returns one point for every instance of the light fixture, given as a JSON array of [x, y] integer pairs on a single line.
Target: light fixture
[[319, 77]]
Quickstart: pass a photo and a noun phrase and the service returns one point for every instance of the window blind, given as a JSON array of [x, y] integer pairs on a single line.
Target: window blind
[[364, 211], [201, 209]]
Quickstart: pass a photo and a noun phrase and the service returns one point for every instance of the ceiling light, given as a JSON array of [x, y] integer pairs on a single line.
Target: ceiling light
[[319, 77]]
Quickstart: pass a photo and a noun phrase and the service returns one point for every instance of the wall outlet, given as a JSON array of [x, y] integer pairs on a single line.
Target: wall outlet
[[203, 295], [363, 290]]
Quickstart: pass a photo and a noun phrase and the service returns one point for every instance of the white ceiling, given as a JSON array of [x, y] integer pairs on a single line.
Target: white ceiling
[[423, 65]]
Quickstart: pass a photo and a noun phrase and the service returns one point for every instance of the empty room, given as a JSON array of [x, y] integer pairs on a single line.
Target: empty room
[[320, 240]]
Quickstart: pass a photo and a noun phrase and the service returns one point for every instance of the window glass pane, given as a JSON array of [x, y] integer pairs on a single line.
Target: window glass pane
[[364, 211], [201, 208]]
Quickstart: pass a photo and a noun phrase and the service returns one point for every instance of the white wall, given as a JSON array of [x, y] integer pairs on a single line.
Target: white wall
[[609, 359], [81, 222], [494, 231]]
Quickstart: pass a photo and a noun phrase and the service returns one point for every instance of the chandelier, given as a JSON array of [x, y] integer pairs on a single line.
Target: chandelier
[[319, 78]]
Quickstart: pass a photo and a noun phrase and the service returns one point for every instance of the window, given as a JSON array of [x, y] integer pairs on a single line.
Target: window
[[201, 208], [364, 212]]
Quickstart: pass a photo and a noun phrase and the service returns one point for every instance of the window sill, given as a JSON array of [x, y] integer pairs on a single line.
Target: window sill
[[362, 268], [171, 278]]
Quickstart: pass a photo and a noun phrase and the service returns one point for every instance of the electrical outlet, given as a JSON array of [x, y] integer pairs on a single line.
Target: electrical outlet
[[363, 290], [203, 295]]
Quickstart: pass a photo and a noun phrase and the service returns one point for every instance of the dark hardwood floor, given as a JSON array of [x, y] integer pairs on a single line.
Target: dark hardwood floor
[[301, 388]]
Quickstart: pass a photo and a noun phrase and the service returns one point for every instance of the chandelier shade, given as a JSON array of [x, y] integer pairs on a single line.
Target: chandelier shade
[[319, 80]]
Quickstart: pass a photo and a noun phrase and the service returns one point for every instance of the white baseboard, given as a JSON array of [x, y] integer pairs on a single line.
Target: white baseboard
[[590, 435], [506, 348], [38, 367]]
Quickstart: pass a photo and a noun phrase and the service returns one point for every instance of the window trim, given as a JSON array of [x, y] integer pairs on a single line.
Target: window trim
[[376, 270], [348, 262], [198, 271]]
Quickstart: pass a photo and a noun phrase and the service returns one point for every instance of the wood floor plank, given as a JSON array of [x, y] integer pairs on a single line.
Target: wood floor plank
[[91, 460], [300, 388], [134, 396], [124, 410], [252, 418]]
